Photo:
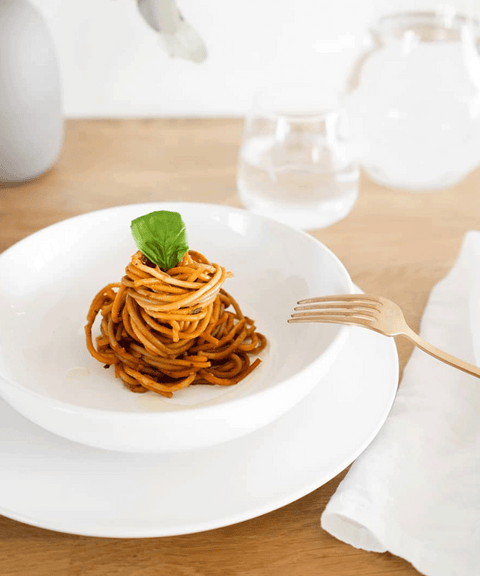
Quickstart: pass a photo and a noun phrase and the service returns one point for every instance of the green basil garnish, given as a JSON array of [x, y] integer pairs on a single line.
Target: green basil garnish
[[162, 237]]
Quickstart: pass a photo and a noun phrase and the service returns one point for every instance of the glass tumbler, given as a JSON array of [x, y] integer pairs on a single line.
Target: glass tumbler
[[295, 163]]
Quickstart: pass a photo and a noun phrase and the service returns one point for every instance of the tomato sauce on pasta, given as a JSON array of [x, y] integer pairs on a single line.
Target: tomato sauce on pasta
[[164, 331]]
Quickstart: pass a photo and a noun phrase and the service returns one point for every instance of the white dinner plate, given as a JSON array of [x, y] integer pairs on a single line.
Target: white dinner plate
[[51, 482]]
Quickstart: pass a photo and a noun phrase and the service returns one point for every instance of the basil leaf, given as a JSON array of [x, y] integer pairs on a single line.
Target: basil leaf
[[161, 236]]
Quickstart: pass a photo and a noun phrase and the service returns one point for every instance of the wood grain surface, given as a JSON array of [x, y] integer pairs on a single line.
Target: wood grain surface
[[394, 243]]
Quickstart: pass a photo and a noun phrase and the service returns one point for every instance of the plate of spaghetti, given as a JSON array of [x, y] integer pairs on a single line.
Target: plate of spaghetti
[[162, 327]]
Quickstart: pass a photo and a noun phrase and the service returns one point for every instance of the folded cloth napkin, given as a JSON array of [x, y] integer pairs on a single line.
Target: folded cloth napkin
[[415, 491]]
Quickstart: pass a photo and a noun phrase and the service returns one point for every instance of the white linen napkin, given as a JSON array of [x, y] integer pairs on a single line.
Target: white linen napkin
[[415, 491]]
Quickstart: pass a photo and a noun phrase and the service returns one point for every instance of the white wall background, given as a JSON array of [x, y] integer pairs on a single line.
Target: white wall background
[[113, 66]]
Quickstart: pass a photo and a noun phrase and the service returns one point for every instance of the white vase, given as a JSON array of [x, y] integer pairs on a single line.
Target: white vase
[[31, 120]]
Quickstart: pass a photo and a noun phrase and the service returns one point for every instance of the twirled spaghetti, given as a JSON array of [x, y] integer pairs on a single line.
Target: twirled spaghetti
[[163, 331]]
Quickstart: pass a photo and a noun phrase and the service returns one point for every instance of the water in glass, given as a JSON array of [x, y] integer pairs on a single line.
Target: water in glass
[[297, 169]]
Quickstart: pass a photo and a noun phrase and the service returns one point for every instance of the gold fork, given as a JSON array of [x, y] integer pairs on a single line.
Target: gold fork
[[373, 312]]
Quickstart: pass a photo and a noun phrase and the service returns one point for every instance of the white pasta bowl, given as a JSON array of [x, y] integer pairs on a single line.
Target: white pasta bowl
[[48, 280]]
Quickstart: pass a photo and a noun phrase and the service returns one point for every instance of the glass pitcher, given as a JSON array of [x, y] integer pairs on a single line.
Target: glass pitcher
[[413, 97]]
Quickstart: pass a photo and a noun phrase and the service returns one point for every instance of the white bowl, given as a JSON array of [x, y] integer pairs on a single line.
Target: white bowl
[[47, 282]]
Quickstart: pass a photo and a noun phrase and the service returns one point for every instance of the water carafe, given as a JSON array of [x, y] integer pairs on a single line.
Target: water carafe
[[413, 97]]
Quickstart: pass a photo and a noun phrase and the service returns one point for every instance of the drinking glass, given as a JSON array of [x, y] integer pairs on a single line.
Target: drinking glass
[[295, 163]]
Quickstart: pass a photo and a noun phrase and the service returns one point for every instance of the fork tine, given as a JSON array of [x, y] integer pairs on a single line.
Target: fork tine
[[355, 320], [338, 314], [369, 309], [373, 301]]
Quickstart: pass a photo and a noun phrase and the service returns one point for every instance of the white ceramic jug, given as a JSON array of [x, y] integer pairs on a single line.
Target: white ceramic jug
[[31, 122]]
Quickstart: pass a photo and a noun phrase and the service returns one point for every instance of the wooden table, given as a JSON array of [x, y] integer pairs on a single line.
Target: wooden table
[[394, 243]]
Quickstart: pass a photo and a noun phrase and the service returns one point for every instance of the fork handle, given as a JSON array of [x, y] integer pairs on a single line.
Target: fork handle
[[441, 355]]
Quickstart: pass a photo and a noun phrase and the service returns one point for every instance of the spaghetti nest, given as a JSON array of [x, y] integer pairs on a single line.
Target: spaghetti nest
[[163, 331]]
